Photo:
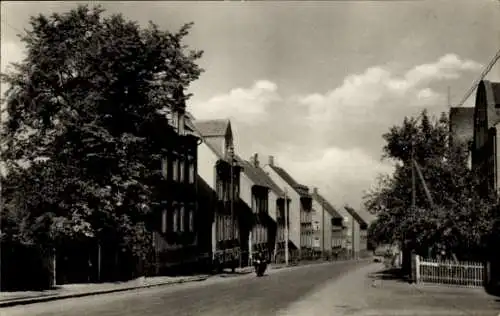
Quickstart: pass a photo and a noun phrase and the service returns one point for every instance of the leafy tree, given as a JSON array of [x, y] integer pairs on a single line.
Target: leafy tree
[[87, 126], [457, 219]]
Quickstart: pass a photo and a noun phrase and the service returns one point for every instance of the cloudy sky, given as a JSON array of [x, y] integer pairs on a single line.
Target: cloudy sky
[[317, 83]]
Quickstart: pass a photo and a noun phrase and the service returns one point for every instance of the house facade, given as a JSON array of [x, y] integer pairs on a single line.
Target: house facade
[[357, 235], [175, 238], [300, 207], [260, 198], [327, 225], [223, 230]]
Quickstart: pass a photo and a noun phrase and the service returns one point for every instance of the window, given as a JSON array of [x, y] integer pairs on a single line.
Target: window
[[191, 170], [181, 171], [175, 223], [220, 190], [181, 219], [181, 124], [316, 225], [164, 168], [164, 221], [191, 219], [175, 169]]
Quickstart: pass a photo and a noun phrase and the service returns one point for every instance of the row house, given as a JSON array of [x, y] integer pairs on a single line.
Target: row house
[[300, 215], [327, 224], [255, 193], [175, 233], [221, 209], [357, 235]]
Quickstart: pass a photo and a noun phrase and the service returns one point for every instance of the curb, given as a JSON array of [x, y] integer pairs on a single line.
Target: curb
[[33, 300]]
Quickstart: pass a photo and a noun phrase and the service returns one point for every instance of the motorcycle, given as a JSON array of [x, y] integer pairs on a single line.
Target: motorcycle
[[260, 265]]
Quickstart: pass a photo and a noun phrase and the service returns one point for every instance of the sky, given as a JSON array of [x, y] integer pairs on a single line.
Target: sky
[[316, 84]]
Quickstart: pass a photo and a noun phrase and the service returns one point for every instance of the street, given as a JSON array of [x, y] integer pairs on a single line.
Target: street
[[243, 295], [340, 289]]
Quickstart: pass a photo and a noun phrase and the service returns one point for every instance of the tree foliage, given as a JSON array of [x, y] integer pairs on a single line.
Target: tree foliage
[[457, 220], [87, 126]]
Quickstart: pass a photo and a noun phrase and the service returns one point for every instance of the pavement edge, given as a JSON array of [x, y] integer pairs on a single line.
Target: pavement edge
[[33, 300]]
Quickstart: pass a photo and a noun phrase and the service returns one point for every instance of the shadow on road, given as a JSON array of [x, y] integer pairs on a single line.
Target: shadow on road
[[393, 274]]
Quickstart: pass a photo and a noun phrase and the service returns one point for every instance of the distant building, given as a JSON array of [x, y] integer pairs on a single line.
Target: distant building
[[461, 121], [300, 216], [327, 224], [357, 233]]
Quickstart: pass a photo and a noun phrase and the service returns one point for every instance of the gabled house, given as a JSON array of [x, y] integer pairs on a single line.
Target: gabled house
[[485, 156], [223, 230], [300, 216], [358, 233], [255, 193], [327, 225]]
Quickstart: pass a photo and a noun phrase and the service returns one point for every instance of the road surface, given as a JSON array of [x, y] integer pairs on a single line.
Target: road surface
[[242, 295]]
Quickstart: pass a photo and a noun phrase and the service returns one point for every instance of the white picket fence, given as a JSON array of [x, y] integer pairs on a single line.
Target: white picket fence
[[466, 274]]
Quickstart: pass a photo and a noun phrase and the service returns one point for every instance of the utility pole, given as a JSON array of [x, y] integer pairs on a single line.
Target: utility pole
[[413, 180], [286, 227], [231, 194], [322, 227]]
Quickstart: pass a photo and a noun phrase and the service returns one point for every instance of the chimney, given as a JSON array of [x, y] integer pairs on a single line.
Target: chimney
[[271, 160], [315, 191], [255, 160]]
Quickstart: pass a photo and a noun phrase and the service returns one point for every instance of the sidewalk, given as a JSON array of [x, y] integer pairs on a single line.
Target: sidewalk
[[87, 289], [367, 292]]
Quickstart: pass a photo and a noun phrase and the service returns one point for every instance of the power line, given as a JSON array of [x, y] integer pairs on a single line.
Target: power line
[[486, 70]]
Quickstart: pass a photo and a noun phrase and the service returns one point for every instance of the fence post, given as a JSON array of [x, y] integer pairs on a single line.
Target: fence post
[[415, 268]]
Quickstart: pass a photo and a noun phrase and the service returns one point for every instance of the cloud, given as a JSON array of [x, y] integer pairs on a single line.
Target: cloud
[[339, 173], [245, 105], [333, 140]]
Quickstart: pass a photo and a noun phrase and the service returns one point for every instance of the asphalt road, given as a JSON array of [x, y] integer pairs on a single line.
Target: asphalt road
[[242, 295]]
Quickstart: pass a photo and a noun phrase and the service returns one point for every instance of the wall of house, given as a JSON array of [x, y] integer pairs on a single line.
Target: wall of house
[[356, 237], [273, 205], [246, 189], [347, 244], [206, 170], [497, 156], [363, 240], [321, 226], [294, 211]]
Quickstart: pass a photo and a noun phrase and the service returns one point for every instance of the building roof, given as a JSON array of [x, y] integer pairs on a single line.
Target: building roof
[[301, 189], [207, 129], [252, 172], [328, 207], [259, 177], [211, 128], [356, 216], [462, 124], [489, 93]]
